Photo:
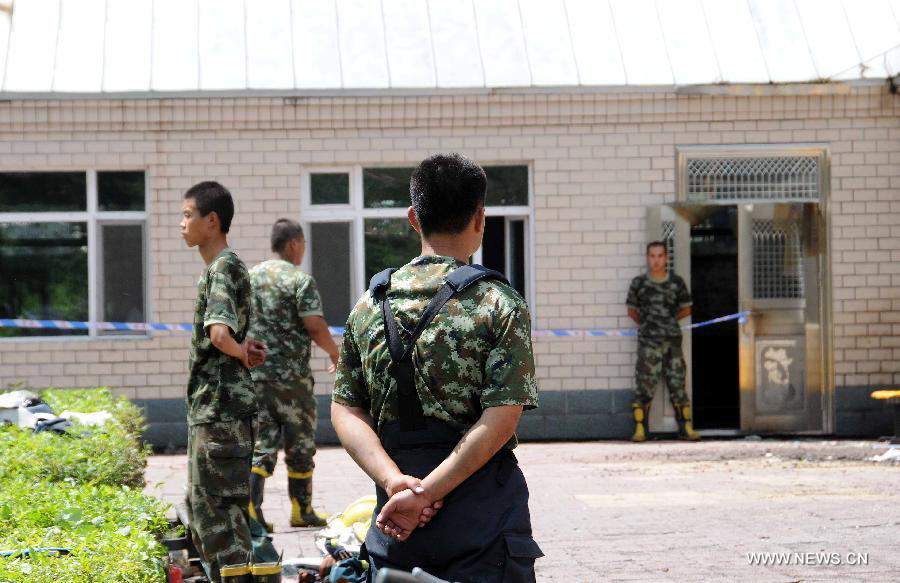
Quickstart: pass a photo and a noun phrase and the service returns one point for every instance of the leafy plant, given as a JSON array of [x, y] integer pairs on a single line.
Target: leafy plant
[[80, 492]]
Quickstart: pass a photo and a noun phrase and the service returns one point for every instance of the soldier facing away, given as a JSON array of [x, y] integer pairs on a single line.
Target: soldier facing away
[[287, 316], [429, 411], [221, 400], [657, 300]]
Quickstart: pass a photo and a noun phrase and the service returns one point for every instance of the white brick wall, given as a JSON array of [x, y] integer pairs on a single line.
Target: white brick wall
[[599, 160]]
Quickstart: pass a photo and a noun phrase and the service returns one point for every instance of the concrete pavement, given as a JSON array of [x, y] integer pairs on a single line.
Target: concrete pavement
[[666, 510]]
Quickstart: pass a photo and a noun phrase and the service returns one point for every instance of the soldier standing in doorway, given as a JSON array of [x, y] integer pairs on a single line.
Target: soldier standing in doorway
[[657, 300], [287, 317], [221, 400]]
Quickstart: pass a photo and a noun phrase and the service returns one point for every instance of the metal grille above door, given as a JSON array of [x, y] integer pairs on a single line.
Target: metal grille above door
[[771, 178]]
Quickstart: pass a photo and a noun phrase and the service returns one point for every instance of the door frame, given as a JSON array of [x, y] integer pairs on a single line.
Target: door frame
[[823, 152]]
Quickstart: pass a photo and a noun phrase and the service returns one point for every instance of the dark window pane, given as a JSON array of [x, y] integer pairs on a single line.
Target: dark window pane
[[43, 275], [22, 192], [330, 262], [123, 275], [120, 191], [507, 185], [504, 251], [517, 255], [389, 243], [330, 188], [386, 187], [493, 244]]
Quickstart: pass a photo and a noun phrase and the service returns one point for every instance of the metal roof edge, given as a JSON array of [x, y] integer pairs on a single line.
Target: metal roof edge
[[779, 89], [725, 89]]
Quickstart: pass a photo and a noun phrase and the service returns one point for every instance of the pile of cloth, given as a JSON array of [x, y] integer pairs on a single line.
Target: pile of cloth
[[339, 542], [28, 411]]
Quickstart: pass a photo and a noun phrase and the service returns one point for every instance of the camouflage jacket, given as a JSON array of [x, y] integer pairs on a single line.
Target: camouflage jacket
[[219, 386], [475, 354], [657, 303], [282, 296]]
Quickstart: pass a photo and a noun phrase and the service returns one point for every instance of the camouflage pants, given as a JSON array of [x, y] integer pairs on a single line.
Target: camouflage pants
[[219, 456], [287, 418], [659, 359]]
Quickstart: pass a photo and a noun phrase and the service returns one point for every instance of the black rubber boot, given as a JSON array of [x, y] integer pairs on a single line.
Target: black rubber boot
[[257, 487]]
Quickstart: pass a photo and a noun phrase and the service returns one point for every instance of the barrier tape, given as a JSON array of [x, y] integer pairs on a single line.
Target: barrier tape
[[72, 325], [741, 317]]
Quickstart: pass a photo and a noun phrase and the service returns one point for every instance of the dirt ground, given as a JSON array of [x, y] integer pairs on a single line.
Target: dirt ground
[[666, 510]]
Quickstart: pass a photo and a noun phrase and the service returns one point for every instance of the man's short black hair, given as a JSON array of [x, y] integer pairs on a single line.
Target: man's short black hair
[[283, 232], [446, 190], [653, 244], [211, 196]]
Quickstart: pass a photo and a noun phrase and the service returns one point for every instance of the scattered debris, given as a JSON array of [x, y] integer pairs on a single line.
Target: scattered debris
[[96, 419], [891, 455]]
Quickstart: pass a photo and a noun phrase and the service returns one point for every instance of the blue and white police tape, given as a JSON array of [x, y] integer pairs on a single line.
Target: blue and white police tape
[[741, 317], [72, 325]]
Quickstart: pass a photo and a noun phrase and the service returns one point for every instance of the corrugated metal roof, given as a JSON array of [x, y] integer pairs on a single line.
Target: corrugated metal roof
[[171, 46]]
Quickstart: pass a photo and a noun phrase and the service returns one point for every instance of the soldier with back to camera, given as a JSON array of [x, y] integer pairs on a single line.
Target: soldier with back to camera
[[436, 368]]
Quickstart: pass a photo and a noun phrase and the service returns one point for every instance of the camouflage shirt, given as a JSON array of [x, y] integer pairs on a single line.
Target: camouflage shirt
[[219, 386], [282, 296], [475, 354], [657, 303]]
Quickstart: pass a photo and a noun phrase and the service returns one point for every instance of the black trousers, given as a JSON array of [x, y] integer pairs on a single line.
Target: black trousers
[[483, 532]]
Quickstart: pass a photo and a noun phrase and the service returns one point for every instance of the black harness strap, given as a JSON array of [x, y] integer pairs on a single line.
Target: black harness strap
[[402, 369]]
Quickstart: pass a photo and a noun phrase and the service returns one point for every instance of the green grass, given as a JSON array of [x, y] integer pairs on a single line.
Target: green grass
[[81, 493]]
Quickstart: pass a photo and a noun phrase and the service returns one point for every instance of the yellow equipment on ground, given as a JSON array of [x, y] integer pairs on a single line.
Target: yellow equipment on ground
[[348, 529]]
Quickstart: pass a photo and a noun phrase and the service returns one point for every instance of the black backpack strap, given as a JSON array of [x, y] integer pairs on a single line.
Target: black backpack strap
[[411, 415], [456, 282], [466, 275], [379, 286], [381, 282], [401, 368]]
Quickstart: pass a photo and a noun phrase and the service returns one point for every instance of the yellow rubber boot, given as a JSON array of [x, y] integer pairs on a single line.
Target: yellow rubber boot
[[640, 422], [236, 574], [266, 573], [685, 425], [300, 492]]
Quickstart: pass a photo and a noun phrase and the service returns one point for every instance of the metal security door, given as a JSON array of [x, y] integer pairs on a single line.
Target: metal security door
[[780, 259]]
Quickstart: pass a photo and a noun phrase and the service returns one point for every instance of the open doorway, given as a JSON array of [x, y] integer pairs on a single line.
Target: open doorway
[[503, 249], [714, 287]]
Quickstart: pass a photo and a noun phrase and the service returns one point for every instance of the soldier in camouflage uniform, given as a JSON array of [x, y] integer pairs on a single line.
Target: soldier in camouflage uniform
[[657, 300], [473, 371], [221, 400], [287, 316]]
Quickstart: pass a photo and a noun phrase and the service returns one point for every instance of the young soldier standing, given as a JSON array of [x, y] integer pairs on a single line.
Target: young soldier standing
[[287, 315], [221, 400], [436, 420], [657, 300]]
